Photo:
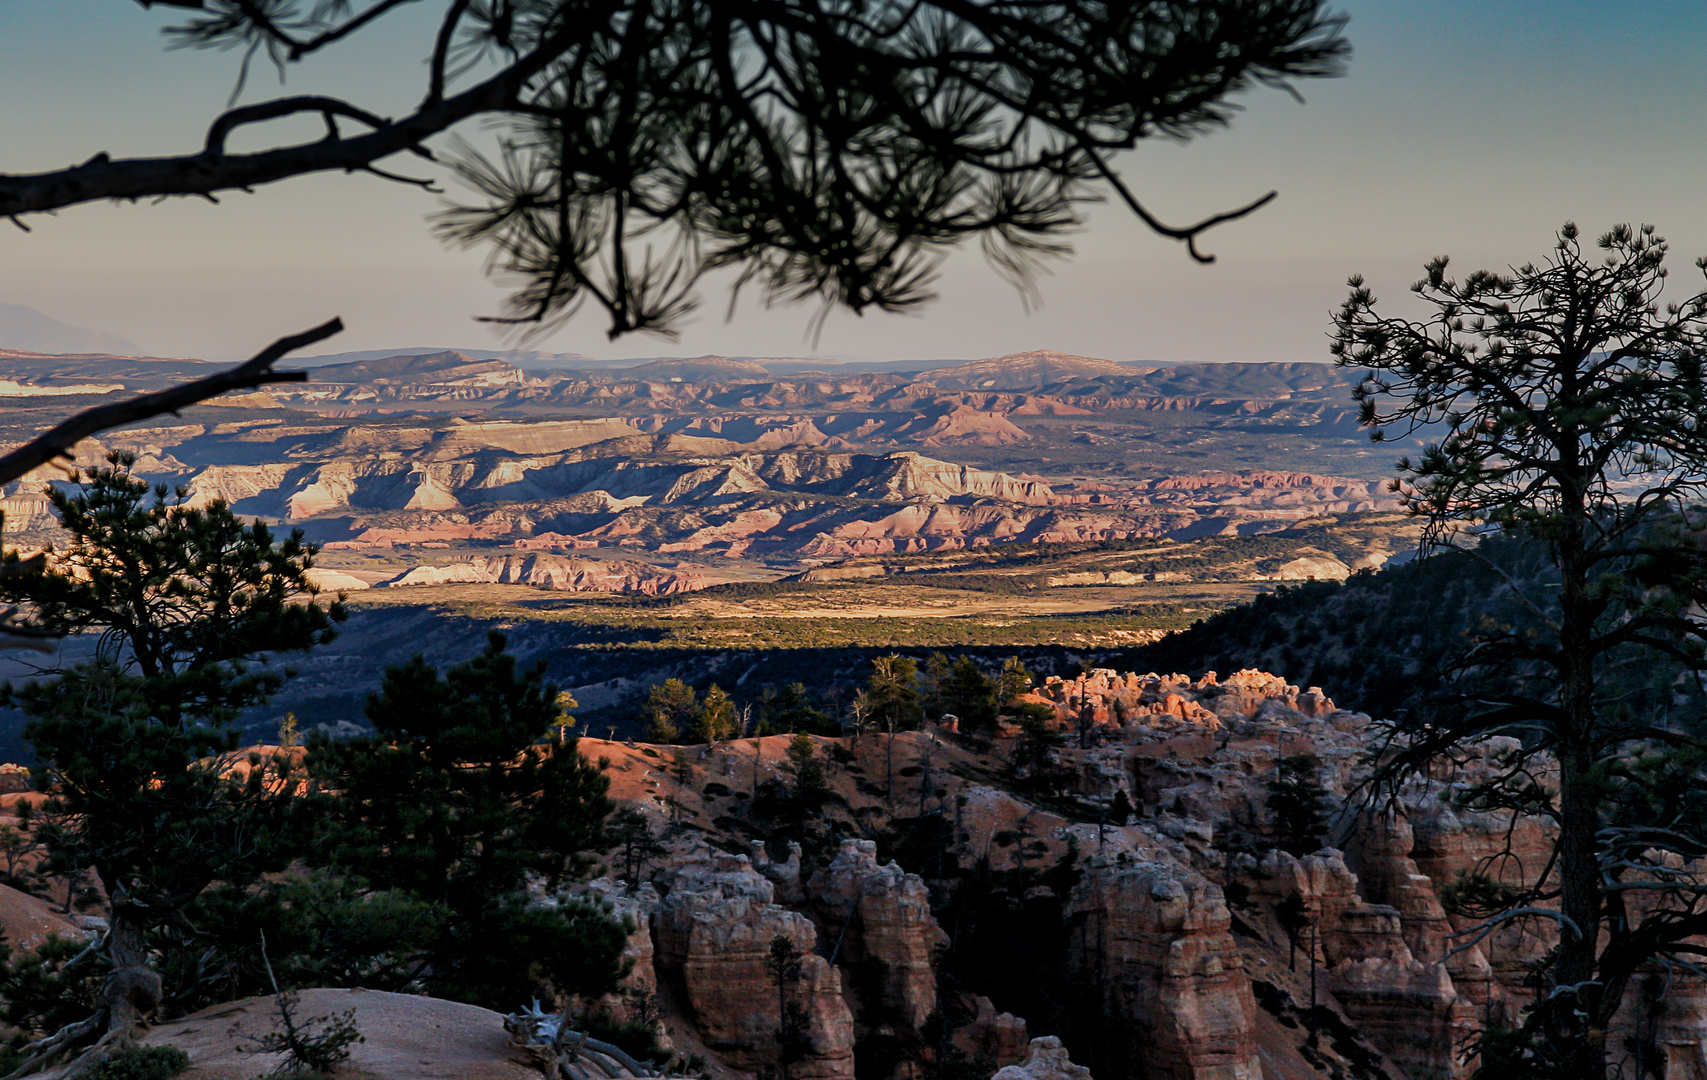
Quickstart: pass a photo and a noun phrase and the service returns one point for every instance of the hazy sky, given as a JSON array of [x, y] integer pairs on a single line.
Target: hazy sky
[[1465, 128]]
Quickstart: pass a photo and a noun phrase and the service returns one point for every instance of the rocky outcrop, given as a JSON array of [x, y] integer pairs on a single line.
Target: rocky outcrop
[[998, 1037], [557, 572], [1445, 842], [1201, 951], [334, 580], [404, 1037], [637, 992], [1155, 939], [784, 876], [1409, 1008], [714, 934], [1046, 1060], [884, 919]]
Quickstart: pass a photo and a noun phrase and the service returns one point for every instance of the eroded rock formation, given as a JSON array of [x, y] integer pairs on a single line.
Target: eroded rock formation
[[713, 935], [1046, 1059], [1196, 946], [885, 919], [1155, 940]]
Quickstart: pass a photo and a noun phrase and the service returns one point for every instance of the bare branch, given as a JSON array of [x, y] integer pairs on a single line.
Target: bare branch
[[210, 170], [218, 131], [257, 371], [1188, 233]]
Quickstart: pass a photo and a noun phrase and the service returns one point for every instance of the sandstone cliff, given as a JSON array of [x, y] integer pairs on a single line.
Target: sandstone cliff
[[713, 936], [1155, 939], [884, 916], [1193, 947]]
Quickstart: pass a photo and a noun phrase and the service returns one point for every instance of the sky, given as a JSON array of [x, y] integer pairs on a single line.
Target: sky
[[1472, 129]]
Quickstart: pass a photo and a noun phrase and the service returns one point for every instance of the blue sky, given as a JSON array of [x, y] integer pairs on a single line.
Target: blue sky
[[1470, 129]]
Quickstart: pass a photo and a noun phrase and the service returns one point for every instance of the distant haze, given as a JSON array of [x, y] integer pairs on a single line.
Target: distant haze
[[28, 330]]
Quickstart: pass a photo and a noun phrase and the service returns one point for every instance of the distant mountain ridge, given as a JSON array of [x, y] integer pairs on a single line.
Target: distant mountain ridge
[[782, 366], [1028, 371], [430, 369], [699, 369]]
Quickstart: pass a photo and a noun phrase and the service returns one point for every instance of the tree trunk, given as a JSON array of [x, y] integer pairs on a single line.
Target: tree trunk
[[1574, 1015], [889, 767], [132, 992], [128, 996]]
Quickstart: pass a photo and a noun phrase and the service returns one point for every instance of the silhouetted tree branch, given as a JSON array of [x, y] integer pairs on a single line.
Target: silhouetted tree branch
[[830, 152], [257, 371]]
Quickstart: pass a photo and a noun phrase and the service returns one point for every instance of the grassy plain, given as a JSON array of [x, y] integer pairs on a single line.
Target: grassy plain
[[1019, 595], [855, 614]]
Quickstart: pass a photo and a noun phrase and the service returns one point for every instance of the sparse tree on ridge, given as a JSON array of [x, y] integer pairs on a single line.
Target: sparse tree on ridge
[[894, 703], [1571, 407], [787, 710], [970, 695], [669, 708], [1014, 681], [715, 720]]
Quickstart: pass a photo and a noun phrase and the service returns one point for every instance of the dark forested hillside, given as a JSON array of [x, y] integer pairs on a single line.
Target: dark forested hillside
[[1373, 640]]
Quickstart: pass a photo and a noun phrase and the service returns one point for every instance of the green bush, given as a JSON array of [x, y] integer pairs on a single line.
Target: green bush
[[637, 1039], [142, 1063]]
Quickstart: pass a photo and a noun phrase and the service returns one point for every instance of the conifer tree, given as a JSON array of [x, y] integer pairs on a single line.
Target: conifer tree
[[1015, 680], [459, 799], [715, 720], [969, 695], [819, 153], [139, 746], [788, 711], [1299, 804], [669, 708], [893, 699], [1563, 405]]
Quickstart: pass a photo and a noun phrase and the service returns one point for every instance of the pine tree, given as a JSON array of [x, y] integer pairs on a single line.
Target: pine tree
[[892, 696], [631, 833], [139, 747], [788, 711], [1563, 405], [458, 799], [670, 706], [1299, 804], [970, 695], [1015, 681], [786, 966], [715, 720]]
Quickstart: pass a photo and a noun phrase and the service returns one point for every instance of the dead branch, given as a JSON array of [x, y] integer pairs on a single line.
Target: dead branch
[[44, 1052], [57, 442], [212, 170]]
